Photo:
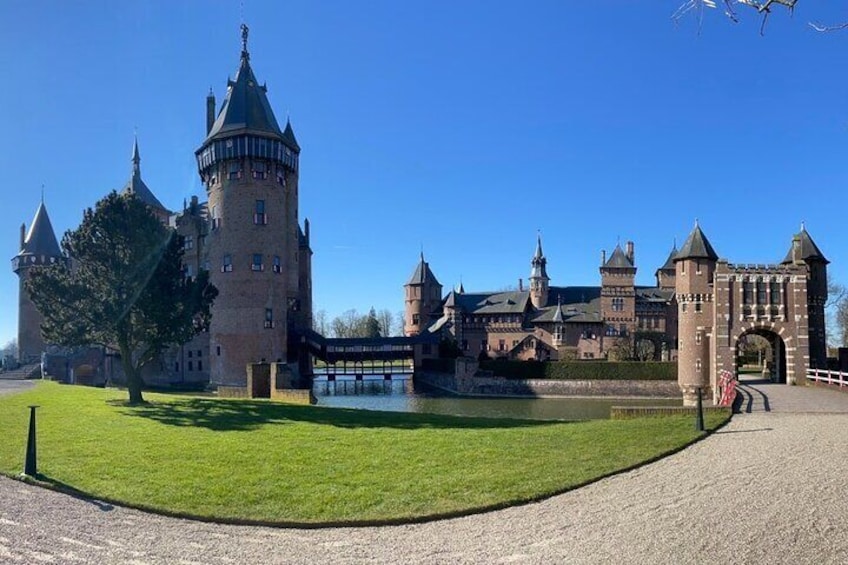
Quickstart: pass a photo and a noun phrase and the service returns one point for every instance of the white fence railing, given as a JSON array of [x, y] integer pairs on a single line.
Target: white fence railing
[[828, 377]]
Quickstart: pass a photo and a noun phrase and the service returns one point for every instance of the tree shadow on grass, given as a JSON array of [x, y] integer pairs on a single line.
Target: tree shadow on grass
[[246, 415]]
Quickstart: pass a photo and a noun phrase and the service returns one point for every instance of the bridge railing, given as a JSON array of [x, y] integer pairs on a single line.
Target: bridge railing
[[828, 377]]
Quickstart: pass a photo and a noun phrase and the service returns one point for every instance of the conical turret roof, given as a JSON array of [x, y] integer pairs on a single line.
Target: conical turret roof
[[669, 263], [245, 108], [618, 260], [422, 274], [538, 264], [41, 239], [697, 246], [137, 186], [810, 252]]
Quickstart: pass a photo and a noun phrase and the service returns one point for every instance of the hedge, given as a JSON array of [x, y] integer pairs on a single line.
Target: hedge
[[583, 370]]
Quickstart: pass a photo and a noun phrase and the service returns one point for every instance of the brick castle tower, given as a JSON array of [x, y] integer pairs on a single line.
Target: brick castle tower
[[423, 295], [38, 247], [258, 257]]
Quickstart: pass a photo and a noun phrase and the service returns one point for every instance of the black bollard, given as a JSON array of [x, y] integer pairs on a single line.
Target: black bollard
[[30, 463], [699, 413]]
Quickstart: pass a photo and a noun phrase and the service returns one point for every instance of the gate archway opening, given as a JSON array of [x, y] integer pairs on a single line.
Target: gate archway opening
[[761, 355]]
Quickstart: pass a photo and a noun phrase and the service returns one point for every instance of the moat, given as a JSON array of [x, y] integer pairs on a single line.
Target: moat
[[401, 395]]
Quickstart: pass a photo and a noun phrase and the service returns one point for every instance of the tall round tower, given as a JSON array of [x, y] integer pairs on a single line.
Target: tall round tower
[[38, 248], [695, 266], [250, 169]]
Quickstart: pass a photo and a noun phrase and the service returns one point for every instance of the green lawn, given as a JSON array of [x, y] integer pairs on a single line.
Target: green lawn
[[270, 462]]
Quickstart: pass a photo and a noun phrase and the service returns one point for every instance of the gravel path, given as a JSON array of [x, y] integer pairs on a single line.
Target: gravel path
[[768, 488], [10, 386]]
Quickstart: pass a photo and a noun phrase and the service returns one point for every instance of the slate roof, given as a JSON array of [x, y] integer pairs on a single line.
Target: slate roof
[[574, 303], [137, 186], [809, 250], [41, 239], [653, 294], [423, 274], [538, 263], [697, 246], [509, 302], [245, 108], [669, 263], [618, 260]]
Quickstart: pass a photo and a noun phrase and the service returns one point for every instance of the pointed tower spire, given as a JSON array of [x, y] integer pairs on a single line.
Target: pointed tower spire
[[136, 158], [245, 55], [539, 276]]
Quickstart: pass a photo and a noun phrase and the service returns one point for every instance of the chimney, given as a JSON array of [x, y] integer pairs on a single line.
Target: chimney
[[603, 257], [630, 252], [306, 229], [520, 284], [210, 111], [23, 236]]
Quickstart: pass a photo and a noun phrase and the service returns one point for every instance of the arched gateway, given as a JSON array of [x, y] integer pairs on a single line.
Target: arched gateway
[[720, 302]]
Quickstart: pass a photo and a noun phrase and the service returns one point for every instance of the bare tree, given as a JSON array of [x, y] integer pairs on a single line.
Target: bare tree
[[386, 320], [836, 313], [319, 322], [762, 7]]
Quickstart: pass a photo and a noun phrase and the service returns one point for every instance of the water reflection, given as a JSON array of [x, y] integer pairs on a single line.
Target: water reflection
[[400, 394]]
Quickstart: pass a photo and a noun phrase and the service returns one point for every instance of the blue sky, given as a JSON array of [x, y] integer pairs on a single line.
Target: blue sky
[[463, 128]]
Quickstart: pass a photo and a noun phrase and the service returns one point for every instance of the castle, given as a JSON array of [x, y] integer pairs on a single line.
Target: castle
[[698, 312], [247, 235]]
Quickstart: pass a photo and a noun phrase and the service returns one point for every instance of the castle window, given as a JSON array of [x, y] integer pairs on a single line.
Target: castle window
[[281, 176], [697, 307], [189, 272], [259, 170], [200, 365], [216, 221], [257, 265], [514, 342], [227, 264], [278, 268], [747, 292], [218, 350], [234, 171], [697, 267], [190, 366], [761, 292], [617, 304], [189, 354], [199, 353], [269, 318], [188, 242], [501, 345], [698, 365], [465, 345], [259, 217], [416, 319], [697, 338], [775, 293]]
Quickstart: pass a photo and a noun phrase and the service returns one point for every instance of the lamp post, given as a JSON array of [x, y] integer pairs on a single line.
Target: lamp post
[[699, 413], [30, 462]]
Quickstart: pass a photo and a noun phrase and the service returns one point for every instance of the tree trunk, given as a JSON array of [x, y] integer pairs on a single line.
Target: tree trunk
[[133, 374]]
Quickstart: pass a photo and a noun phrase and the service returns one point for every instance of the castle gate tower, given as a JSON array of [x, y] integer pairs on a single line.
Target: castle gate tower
[[720, 303], [250, 169], [38, 247]]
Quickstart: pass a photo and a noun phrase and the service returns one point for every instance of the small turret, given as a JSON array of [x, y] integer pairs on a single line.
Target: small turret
[[138, 187], [695, 265], [539, 280], [423, 297], [666, 274]]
